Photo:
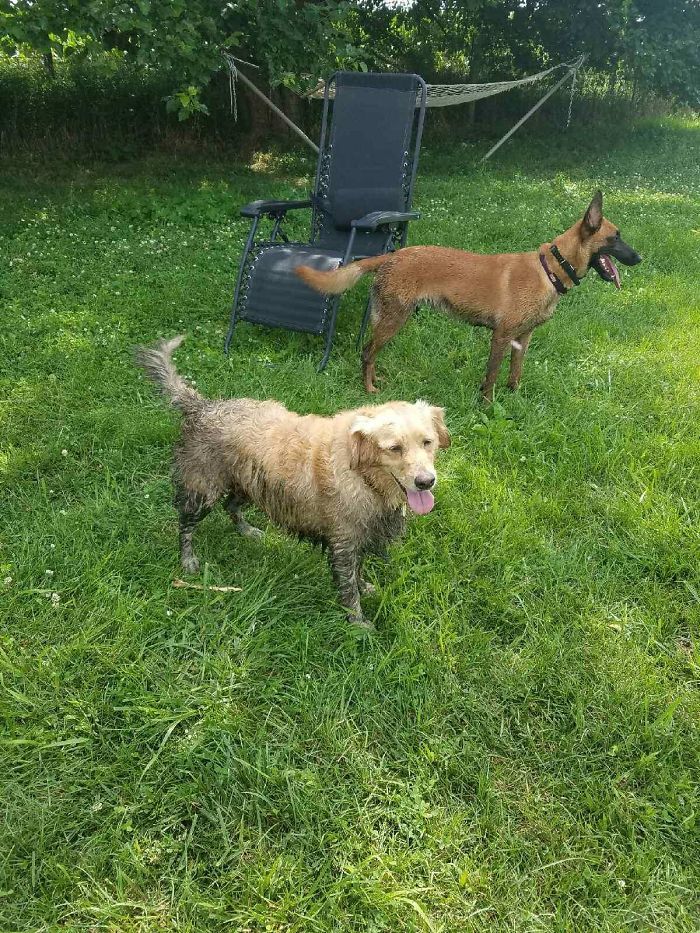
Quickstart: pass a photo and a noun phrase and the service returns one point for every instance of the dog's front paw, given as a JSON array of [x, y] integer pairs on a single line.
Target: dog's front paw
[[250, 531], [357, 619], [190, 564]]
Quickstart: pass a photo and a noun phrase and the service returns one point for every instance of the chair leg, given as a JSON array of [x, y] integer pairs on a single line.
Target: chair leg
[[232, 324], [330, 333], [239, 279]]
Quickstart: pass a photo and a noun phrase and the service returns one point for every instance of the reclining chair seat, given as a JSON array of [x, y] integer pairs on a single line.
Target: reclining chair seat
[[273, 295]]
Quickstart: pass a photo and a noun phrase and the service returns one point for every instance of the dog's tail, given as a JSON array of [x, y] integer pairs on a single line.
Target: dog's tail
[[339, 280], [157, 363]]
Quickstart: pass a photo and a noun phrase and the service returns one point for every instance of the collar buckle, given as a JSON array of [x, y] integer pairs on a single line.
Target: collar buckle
[[557, 283]]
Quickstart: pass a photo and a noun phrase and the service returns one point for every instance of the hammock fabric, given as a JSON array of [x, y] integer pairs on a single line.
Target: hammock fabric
[[445, 95]]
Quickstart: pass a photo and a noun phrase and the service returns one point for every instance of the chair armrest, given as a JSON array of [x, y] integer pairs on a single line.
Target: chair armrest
[[273, 208], [383, 218]]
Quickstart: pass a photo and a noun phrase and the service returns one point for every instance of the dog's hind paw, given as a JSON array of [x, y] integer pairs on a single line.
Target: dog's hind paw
[[367, 589]]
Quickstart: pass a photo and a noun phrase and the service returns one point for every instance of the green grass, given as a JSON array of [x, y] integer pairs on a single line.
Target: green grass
[[517, 748]]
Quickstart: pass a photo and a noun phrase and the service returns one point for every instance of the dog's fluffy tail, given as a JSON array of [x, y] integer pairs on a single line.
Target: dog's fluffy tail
[[339, 280], [157, 363]]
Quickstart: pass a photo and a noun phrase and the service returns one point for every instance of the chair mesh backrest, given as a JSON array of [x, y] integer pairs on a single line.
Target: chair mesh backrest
[[366, 164]]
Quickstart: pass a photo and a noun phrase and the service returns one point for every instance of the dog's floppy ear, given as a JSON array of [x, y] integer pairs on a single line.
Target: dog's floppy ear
[[444, 439], [593, 217], [363, 449]]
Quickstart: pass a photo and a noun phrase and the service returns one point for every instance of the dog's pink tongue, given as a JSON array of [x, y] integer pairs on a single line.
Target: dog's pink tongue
[[612, 269], [420, 501]]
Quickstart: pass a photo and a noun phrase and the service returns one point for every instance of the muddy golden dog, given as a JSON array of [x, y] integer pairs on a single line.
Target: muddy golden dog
[[344, 481], [510, 293]]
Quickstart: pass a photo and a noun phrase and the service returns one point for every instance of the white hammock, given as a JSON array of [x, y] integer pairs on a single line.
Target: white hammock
[[445, 95]]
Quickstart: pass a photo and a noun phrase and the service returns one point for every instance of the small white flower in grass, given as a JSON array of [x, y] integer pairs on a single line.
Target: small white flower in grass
[[7, 581], [52, 546], [168, 612], [62, 512], [49, 573], [146, 496], [64, 452], [55, 599]]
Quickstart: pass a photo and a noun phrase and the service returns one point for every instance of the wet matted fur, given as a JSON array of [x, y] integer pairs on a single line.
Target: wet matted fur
[[510, 293], [344, 481]]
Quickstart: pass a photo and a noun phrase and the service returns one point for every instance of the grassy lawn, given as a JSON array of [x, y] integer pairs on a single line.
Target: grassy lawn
[[517, 748]]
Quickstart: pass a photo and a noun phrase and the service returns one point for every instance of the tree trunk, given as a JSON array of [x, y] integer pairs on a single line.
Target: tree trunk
[[47, 59], [473, 76]]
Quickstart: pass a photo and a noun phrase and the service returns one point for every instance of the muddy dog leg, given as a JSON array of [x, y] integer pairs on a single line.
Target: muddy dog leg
[[365, 588], [499, 345], [234, 506], [388, 317], [517, 356], [191, 509], [345, 565]]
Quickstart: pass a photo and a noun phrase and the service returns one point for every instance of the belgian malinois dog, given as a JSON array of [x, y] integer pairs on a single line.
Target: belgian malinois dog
[[511, 293]]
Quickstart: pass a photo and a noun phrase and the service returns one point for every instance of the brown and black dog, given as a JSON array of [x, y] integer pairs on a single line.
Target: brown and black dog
[[511, 293]]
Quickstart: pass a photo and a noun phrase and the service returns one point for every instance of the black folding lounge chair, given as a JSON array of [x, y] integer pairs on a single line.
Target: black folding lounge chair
[[360, 205]]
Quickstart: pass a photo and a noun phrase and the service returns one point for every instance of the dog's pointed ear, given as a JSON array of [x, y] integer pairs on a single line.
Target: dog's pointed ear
[[593, 217], [444, 439], [362, 446]]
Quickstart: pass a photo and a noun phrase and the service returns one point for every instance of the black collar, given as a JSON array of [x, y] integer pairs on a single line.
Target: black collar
[[565, 264], [557, 283]]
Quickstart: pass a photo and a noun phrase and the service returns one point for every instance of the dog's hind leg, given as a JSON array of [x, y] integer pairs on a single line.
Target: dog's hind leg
[[234, 506], [517, 356], [191, 509], [345, 565], [388, 317], [499, 345]]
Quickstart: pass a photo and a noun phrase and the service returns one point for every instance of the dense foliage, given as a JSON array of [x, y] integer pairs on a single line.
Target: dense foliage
[[285, 38], [646, 45], [651, 45]]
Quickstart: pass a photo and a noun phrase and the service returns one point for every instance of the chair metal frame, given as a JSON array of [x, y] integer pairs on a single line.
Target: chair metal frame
[[394, 224]]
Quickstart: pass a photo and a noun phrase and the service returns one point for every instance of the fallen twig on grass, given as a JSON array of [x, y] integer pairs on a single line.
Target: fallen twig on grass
[[200, 586]]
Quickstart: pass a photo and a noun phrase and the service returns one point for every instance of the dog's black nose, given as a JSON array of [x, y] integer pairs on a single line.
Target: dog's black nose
[[424, 481]]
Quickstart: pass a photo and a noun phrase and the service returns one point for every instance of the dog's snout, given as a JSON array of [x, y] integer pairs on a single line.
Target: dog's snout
[[626, 254], [424, 481]]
